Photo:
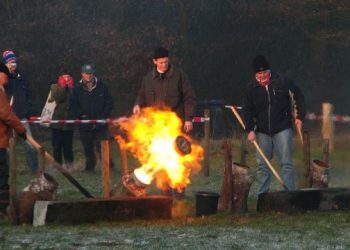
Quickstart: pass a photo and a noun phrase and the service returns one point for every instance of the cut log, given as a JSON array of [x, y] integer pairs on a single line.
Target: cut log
[[304, 200], [94, 210]]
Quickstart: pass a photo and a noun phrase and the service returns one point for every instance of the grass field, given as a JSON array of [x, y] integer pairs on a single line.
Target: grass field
[[310, 230]]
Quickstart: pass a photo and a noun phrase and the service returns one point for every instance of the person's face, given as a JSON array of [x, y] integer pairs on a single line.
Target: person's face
[[162, 63], [12, 66], [66, 77], [263, 76], [87, 77], [3, 79]]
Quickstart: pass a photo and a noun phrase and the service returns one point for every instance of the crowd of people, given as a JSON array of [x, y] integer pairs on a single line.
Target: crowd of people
[[266, 113]]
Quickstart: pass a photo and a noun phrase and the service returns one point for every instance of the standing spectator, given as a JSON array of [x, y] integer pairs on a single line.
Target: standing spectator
[[268, 119], [19, 93], [91, 100], [167, 86], [62, 134], [8, 120]]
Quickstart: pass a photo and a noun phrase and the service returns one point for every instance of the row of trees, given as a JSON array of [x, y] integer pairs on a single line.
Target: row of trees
[[213, 40]]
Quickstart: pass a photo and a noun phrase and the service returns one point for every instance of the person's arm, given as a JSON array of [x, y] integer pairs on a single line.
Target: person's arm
[[299, 101], [8, 117], [59, 95], [74, 105], [140, 99]]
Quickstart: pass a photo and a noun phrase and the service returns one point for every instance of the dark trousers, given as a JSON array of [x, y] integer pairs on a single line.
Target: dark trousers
[[4, 179], [91, 140], [62, 142]]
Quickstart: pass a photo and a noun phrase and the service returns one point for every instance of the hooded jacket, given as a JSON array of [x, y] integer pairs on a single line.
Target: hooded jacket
[[268, 109]]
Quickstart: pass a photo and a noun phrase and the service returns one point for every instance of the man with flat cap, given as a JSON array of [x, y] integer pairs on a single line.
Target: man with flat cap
[[267, 114]]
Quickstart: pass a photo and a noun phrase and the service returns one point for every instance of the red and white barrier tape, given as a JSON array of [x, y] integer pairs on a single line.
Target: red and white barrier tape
[[37, 120]]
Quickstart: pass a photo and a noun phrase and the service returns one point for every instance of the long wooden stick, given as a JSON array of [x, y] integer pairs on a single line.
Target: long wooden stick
[[295, 114], [275, 173], [57, 166]]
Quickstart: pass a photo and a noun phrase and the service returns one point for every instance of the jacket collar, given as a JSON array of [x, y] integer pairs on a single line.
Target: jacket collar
[[168, 74], [84, 86]]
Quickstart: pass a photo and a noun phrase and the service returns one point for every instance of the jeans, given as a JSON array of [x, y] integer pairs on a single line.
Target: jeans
[[280, 144], [62, 142], [30, 152]]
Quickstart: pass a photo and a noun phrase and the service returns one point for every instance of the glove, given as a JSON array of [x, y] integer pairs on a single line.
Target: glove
[[23, 135]]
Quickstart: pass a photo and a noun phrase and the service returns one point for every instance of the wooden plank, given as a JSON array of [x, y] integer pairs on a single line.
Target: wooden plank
[[94, 210]]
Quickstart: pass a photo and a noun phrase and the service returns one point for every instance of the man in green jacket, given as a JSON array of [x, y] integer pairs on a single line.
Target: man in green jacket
[[167, 86]]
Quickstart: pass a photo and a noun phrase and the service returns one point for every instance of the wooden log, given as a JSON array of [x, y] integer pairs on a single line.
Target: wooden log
[[305, 199], [105, 168], [226, 195], [325, 151], [206, 142], [328, 124], [94, 210]]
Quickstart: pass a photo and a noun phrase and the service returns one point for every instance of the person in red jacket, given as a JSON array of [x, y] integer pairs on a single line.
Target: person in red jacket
[[8, 120]]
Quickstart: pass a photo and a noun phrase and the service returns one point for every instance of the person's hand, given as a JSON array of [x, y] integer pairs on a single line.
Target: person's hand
[[251, 136], [23, 135], [136, 109], [188, 126]]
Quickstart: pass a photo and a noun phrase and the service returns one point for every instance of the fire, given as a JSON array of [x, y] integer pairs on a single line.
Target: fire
[[151, 139]]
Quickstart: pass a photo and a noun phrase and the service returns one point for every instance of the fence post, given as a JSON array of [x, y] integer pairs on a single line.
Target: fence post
[[226, 195], [105, 168], [327, 124], [206, 141]]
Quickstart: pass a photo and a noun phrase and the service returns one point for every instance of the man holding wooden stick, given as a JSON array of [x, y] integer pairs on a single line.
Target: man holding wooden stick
[[267, 114]]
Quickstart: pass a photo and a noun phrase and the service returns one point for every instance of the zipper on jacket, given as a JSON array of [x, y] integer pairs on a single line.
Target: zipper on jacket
[[269, 109]]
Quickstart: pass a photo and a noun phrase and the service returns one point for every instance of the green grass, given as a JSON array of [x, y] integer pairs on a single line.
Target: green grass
[[252, 230]]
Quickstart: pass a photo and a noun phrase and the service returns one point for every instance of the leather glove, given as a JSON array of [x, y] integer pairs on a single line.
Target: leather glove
[[23, 135]]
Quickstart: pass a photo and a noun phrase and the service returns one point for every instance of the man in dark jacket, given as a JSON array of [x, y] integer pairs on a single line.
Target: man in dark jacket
[[8, 120], [91, 100], [167, 86], [19, 93], [267, 114]]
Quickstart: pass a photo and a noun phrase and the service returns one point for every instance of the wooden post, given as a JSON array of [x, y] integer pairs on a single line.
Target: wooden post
[[206, 141], [326, 148], [244, 150], [41, 161], [307, 161], [327, 124], [123, 160], [226, 195], [13, 215], [105, 168]]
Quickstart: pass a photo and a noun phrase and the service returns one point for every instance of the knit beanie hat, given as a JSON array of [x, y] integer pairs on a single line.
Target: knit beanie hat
[[4, 69], [160, 53], [260, 63], [9, 56]]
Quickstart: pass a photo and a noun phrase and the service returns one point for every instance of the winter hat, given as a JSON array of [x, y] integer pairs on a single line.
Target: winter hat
[[260, 63], [4, 69], [87, 68], [160, 52], [9, 56]]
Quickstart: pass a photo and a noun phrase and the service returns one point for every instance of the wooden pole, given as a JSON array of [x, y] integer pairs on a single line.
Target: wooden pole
[[13, 213], [328, 124], [326, 148], [268, 163], [123, 160], [307, 161], [206, 141], [41, 162], [105, 169], [226, 195]]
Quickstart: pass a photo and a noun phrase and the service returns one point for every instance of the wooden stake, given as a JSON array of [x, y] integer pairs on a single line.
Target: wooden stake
[[226, 195], [105, 169], [326, 147], [206, 142], [327, 123], [307, 161]]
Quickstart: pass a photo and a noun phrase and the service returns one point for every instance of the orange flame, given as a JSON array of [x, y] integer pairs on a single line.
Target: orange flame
[[151, 139]]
